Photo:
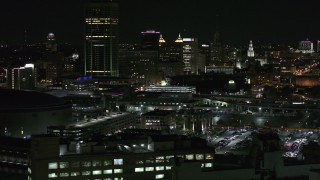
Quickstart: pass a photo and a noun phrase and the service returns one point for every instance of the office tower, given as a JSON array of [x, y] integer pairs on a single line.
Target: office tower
[[23, 77], [205, 49], [189, 55], [217, 55], [150, 40], [170, 58], [101, 38], [306, 46], [250, 50], [51, 44]]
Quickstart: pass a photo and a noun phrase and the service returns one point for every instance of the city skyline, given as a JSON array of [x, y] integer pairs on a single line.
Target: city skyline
[[237, 22]]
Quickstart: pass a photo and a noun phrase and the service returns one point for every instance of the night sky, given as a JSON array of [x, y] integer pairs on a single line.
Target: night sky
[[238, 21]]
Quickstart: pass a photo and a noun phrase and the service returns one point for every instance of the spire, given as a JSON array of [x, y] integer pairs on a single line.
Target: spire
[[179, 40], [161, 40]]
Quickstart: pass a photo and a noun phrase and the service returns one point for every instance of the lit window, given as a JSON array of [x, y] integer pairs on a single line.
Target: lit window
[[209, 156], [75, 174], [108, 171], [168, 167], [159, 168], [149, 168], [168, 158], [190, 157], [64, 174], [118, 161], [149, 161], [53, 165], [208, 165], [138, 169], [199, 157], [63, 165], [52, 175], [118, 178], [85, 173], [139, 162], [159, 176], [96, 163], [96, 172], [86, 164], [107, 162], [118, 171], [159, 159]]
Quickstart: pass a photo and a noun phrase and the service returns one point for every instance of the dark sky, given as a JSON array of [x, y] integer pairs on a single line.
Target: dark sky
[[238, 20]]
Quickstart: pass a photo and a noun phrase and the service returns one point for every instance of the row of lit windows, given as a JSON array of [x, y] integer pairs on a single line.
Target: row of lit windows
[[148, 169], [63, 165], [161, 159], [162, 103], [85, 173], [100, 36], [98, 163]]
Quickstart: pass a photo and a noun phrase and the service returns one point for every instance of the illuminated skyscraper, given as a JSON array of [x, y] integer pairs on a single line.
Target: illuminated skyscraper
[[189, 55], [23, 78], [101, 38], [250, 50]]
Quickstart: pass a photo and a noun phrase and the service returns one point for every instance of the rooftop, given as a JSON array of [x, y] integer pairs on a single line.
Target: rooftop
[[16, 99]]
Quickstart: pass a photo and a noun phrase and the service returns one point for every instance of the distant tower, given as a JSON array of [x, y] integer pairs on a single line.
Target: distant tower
[[250, 50], [189, 55], [51, 44], [179, 40], [23, 78], [238, 64], [217, 55], [101, 38], [161, 40], [306, 46], [150, 40]]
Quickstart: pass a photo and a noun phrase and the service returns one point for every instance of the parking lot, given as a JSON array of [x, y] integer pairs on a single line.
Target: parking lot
[[238, 141]]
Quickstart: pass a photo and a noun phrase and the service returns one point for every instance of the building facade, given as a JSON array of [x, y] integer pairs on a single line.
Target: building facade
[[101, 38]]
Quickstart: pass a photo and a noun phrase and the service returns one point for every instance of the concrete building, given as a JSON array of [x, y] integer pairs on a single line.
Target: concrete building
[[171, 89], [120, 157], [158, 120], [107, 124]]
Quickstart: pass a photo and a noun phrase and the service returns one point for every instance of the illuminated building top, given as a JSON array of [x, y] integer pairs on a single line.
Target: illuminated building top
[[250, 50], [179, 40]]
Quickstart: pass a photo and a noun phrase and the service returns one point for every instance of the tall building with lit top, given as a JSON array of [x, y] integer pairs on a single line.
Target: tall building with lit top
[[51, 44], [250, 50], [23, 78], [161, 40], [150, 40], [101, 38]]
